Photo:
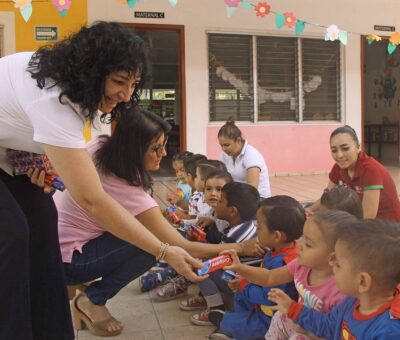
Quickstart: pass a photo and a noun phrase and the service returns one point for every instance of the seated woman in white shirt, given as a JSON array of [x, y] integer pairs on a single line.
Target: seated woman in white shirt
[[89, 251], [244, 162]]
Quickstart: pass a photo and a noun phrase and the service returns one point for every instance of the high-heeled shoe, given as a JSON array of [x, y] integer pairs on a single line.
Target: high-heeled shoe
[[81, 321]]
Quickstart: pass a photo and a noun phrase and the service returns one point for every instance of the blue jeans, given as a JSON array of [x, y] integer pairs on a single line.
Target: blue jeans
[[113, 260]]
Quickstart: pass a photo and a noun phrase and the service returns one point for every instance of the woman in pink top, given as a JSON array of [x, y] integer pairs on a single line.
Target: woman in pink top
[[90, 252]]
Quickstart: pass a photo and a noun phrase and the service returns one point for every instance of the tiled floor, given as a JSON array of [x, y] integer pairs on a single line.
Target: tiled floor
[[145, 319]]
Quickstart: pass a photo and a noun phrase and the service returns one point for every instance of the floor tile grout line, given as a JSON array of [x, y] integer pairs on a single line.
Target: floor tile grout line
[[155, 314]]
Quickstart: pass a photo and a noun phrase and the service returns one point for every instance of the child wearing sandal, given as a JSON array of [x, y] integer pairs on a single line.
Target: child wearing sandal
[[280, 221], [365, 266], [311, 272], [238, 206]]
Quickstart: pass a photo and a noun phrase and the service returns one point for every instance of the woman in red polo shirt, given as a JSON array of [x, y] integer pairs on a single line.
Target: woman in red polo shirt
[[355, 169]]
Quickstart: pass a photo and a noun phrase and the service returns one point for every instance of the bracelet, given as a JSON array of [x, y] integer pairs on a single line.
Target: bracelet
[[163, 252]]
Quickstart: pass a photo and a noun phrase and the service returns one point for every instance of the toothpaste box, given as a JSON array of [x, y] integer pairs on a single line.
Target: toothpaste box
[[228, 275], [214, 264]]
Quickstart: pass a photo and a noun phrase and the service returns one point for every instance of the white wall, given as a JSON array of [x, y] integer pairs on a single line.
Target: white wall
[[201, 16]]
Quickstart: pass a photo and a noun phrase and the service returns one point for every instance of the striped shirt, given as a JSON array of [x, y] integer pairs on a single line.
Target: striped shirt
[[239, 233]]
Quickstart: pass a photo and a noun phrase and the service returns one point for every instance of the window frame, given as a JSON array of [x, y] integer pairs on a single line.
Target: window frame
[[301, 121]]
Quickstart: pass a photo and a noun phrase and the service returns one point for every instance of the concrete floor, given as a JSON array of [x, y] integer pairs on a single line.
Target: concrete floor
[[145, 319]]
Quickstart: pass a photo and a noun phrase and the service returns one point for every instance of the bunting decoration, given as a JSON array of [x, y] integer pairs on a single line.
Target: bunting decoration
[[133, 3], [332, 32], [25, 8], [62, 6], [264, 94]]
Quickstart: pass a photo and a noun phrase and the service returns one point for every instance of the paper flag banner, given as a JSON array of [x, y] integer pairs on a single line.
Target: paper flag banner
[[26, 12], [343, 37], [173, 2], [230, 11], [63, 13], [395, 38], [280, 20], [332, 33], [373, 37], [131, 3], [300, 25], [391, 48], [246, 4]]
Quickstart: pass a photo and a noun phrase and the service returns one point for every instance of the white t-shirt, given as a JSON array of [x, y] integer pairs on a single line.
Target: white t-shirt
[[30, 116], [248, 158]]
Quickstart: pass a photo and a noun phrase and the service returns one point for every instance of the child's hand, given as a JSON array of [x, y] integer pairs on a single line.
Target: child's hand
[[234, 284], [172, 198], [252, 247], [204, 222], [235, 259], [282, 300]]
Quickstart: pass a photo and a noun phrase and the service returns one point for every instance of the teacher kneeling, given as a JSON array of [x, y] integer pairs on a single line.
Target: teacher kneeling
[[355, 169], [90, 251]]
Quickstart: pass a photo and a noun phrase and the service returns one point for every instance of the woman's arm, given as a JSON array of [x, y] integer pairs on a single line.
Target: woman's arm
[[370, 203], [160, 227], [79, 174], [253, 177]]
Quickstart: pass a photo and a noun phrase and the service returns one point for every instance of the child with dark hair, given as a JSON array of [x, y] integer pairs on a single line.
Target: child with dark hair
[[238, 206], [366, 268], [203, 170], [342, 198], [183, 190], [215, 181], [190, 165], [311, 271], [280, 221], [213, 226]]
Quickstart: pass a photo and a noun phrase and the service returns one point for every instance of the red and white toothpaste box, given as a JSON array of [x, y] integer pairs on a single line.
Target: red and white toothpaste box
[[214, 264]]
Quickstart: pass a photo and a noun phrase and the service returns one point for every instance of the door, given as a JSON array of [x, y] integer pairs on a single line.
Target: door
[[165, 94], [381, 101]]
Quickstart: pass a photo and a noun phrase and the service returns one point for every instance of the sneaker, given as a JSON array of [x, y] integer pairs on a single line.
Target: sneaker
[[201, 319], [193, 303], [154, 279], [215, 316], [170, 290], [217, 334]]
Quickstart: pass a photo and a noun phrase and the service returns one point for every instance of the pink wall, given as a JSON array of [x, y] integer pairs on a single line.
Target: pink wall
[[286, 148]]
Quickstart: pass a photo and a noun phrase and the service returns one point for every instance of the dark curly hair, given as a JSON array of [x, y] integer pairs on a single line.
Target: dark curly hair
[[122, 153], [80, 63]]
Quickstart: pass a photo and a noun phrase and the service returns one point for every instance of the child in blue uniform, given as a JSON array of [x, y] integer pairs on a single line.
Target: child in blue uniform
[[366, 267], [238, 206], [280, 221]]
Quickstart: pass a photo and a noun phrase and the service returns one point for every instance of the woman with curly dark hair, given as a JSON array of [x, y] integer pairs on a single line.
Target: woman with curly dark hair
[[45, 99]]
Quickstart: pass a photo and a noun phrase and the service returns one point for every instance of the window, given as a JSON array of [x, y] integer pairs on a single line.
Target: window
[[231, 79], [297, 79]]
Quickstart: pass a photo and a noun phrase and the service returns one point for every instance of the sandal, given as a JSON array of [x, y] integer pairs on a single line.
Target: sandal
[[193, 303], [201, 319], [81, 321]]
